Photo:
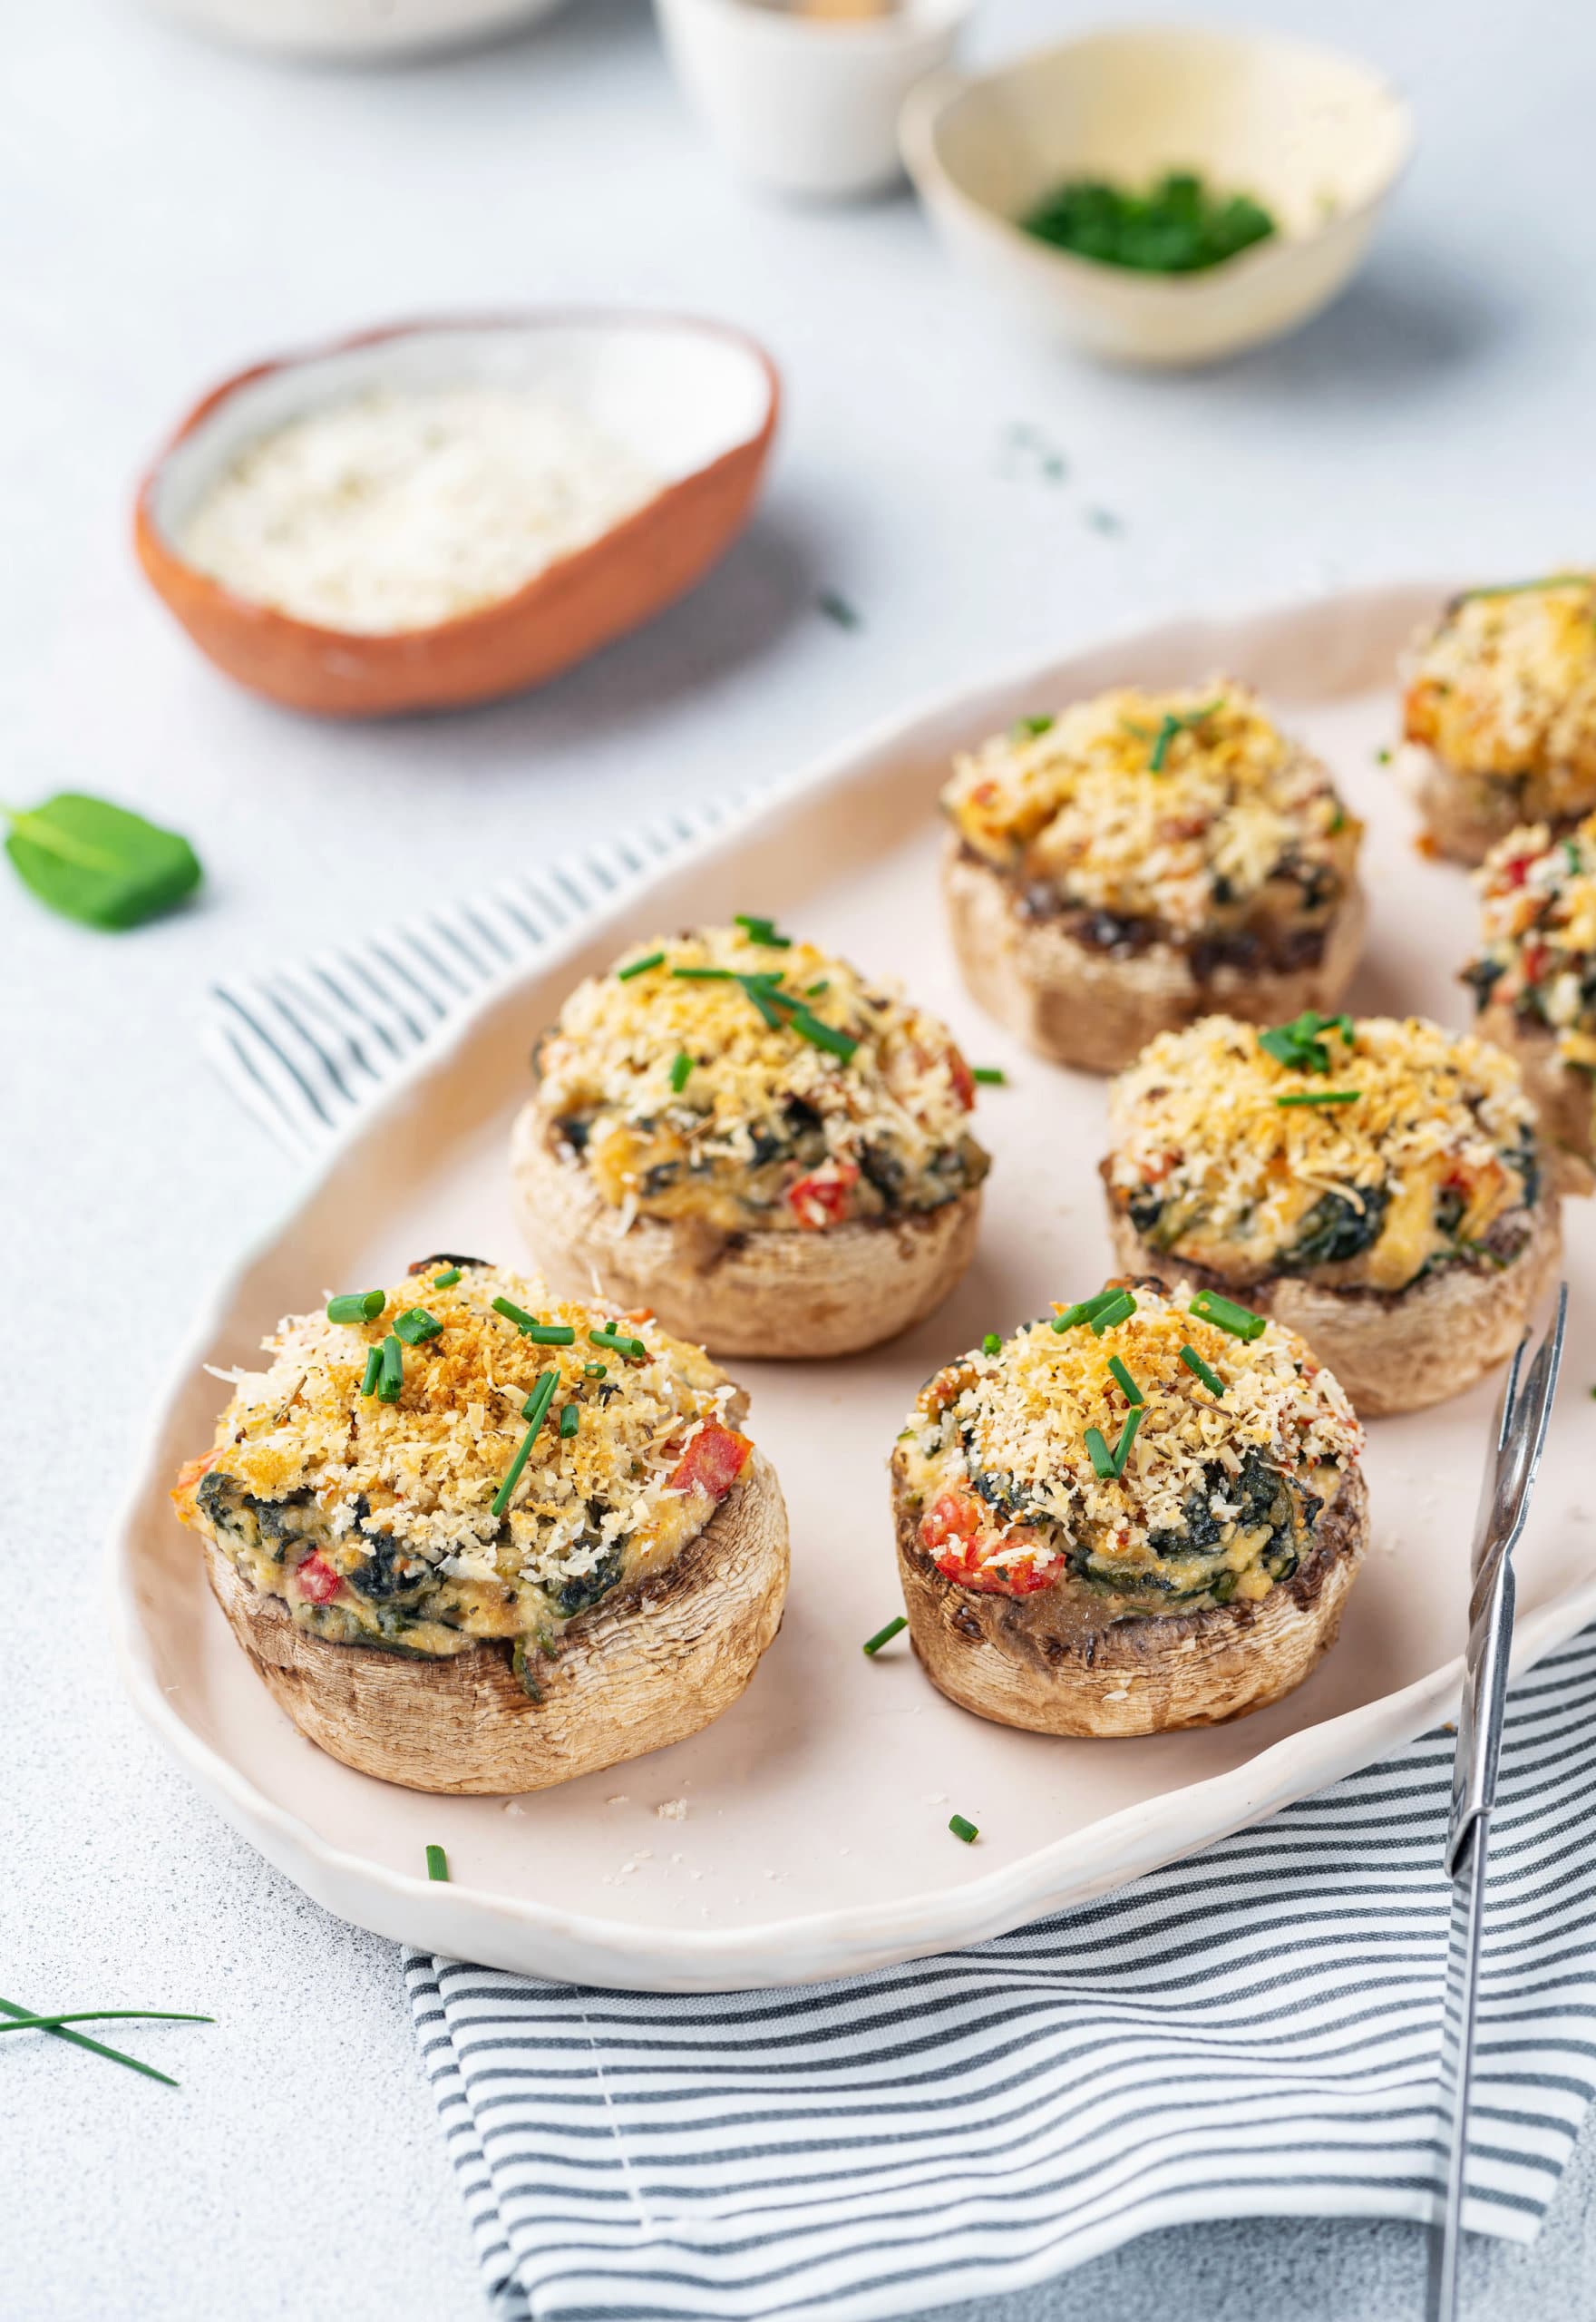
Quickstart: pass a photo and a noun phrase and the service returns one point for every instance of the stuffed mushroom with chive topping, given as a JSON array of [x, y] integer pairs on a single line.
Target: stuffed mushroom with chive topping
[[474, 1539], [1535, 981], [1499, 712], [1142, 859], [744, 1133], [1128, 1518], [1377, 1184]]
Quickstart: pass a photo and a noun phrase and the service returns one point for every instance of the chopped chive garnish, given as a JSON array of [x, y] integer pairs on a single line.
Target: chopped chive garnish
[[447, 1280], [991, 1343], [1173, 723], [1194, 1362], [680, 1070], [570, 1418], [1120, 1310], [989, 1076], [761, 932], [759, 994], [1241, 1322], [963, 1829], [873, 1645], [534, 1411], [1301, 1045], [415, 1326], [437, 1863], [358, 1306], [640, 967], [1102, 1458], [1132, 1392], [800, 1019], [838, 608], [1524, 587], [1026, 729], [516, 1314], [1085, 1310], [705, 975], [1571, 854], [617, 1345], [595, 1370], [549, 1333], [1320, 1097], [374, 1370], [1110, 1465], [391, 1379]]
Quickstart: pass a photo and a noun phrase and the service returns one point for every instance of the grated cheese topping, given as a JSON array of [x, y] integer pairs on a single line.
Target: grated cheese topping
[[766, 1128], [1538, 951], [1434, 1160], [397, 1498], [1503, 688], [1219, 1495], [1101, 811]]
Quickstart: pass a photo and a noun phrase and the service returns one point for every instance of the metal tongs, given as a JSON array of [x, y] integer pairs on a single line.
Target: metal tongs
[[1504, 1503]]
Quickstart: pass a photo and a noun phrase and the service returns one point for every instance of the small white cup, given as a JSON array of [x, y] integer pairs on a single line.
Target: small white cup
[[805, 105]]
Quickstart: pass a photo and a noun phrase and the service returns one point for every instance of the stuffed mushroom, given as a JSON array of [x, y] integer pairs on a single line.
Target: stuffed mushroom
[[1376, 1185], [475, 1539], [1128, 1516], [747, 1135], [1499, 713], [1142, 859], [1535, 981]]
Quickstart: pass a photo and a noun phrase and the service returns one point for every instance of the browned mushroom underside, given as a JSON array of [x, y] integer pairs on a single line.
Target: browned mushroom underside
[[1047, 1662], [777, 1293], [1086, 1008], [1392, 1349], [649, 1666]]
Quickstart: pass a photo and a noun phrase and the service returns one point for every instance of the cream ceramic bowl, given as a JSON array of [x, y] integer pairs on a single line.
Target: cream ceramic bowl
[[355, 30], [1318, 138], [806, 106]]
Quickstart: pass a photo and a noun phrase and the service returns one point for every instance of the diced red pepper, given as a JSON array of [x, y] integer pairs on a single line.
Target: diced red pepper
[[963, 1080], [820, 1200], [319, 1583], [1516, 870], [712, 1462], [951, 1528], [1535, 956]]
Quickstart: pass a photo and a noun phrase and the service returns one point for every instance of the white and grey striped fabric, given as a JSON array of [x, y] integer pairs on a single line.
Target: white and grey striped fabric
[[1254, 2031]]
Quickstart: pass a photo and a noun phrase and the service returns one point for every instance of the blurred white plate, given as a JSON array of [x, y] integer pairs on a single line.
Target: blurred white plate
[[814, 1841], [353, 28]]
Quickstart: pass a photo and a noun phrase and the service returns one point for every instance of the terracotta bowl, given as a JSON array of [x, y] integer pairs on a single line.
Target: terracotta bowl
[[696, 402]]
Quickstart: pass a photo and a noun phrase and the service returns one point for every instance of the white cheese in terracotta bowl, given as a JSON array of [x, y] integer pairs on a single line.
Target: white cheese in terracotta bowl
[[447, 512]]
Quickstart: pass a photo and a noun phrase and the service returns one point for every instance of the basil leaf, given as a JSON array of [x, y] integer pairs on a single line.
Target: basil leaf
[[99, 864]]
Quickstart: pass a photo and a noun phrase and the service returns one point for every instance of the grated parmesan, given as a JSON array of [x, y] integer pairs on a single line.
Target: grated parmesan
[[1538, 914], [1503, 688], [396, 510]]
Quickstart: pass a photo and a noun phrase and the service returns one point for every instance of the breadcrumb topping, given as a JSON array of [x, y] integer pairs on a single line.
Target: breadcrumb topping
[[1170, 807], [397, 1498], [1538, 952], [694, 1090], [1408, 1147], [1503, 688], [1219, 1492]]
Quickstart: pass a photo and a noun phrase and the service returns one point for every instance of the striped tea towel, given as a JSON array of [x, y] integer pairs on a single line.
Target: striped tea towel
[[1255, 2031]]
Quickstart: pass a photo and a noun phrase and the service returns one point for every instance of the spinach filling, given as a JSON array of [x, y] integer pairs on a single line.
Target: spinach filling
[[1337, 1228]]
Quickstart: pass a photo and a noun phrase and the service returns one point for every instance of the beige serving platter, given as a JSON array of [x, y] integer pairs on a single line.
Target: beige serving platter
[[805, 1834]]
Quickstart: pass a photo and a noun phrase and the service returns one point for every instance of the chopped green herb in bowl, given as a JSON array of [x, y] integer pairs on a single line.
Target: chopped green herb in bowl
[[1179, 226]]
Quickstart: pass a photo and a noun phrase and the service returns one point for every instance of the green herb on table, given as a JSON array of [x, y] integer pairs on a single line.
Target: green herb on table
[[1179, 226], [437, 1863], [837, 609], [357, 1306], [57, 2026], [963, 1829], [99, 863], [989, 1076], [873, 1645], [1105, 520]]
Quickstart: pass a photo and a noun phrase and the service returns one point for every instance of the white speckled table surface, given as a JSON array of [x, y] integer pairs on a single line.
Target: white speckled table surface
[[176, 210]]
